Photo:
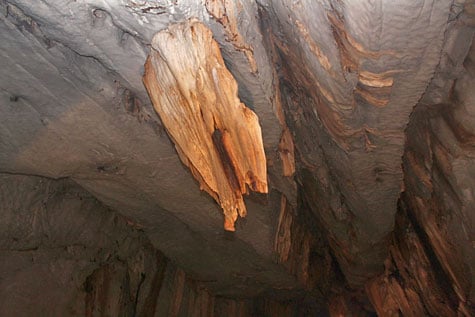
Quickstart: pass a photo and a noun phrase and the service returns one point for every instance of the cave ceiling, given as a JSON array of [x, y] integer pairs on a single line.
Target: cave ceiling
[[265, 147]]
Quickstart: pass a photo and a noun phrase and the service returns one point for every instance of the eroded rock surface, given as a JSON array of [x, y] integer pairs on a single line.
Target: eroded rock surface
[[362, 157], [430, 270]]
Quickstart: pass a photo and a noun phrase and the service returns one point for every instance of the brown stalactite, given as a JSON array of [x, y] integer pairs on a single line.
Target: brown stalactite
[[216, 135]]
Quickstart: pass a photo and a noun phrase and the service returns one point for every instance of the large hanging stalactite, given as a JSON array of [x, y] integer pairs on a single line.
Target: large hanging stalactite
[[216, 135]]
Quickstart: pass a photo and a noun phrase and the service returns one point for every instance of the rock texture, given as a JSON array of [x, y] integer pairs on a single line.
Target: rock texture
[[343, 129], [349, 108], [432, 258], [63, 253]]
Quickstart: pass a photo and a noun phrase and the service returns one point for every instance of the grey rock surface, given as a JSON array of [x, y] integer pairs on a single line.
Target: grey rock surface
[[344, 77]]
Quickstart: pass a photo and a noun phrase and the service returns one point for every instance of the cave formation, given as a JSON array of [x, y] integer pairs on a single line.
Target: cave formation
[[237, 158]]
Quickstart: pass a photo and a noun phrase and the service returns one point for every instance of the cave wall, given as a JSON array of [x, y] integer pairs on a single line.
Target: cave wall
[[63, 253], [366, 115], [430, 268], [348, 108]]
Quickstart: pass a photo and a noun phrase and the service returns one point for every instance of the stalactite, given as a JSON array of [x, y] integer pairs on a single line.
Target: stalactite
[[216, 135]]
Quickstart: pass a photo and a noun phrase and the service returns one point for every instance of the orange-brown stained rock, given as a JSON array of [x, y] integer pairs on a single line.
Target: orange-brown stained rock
[[216, 135], [226, 12], [286, 151]]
